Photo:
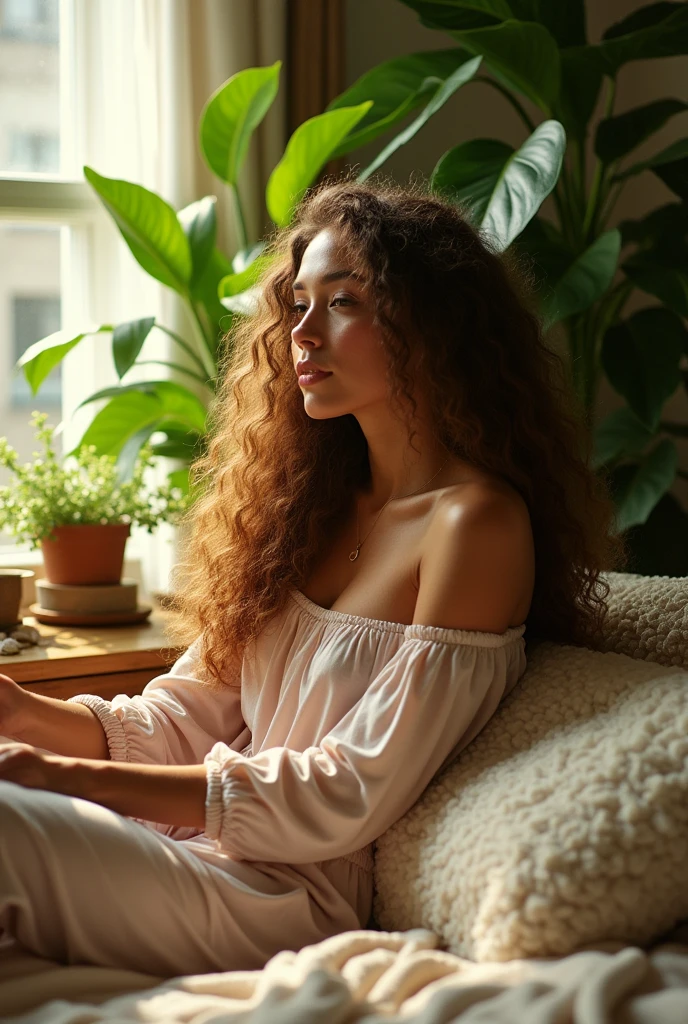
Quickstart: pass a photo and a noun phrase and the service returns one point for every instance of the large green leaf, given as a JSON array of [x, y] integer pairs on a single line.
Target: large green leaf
[[522, 55], [586, 280], [565, 21], [199, 222], [469, 172], [642, 18], [174, 399], [44, 355], [527, 178], [243, 258], [232, 114], [658, 30], [396, 87], [234, 284], [182, 405], [653, 478], [670, 164], [458, 78], [673, 168], [179, 478], [620, 433], [125, 415], [180, 444], [246, 302], [452, 14], [547, 250], [127, 341], [659, 546], [581, 77], [129, 452], [205, 292], [134, 407], [668, 283], [308, 150], [665, 227], [617, 136], [144, 386], [641, 359], [150, 228]]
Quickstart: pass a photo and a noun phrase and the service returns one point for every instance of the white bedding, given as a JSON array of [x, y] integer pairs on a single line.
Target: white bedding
[[366, 977]]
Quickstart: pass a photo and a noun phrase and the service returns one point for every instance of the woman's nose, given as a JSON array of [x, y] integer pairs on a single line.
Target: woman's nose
[[308, 328]]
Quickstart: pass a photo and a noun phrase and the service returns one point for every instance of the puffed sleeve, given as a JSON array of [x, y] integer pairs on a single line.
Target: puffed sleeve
[[428, 702], [176, 719]]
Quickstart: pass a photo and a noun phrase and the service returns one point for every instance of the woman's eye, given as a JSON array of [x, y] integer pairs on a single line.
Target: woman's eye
[[300, 308]]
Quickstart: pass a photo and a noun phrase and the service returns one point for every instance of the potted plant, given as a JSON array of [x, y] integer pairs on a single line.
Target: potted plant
[[80, 512], [587, 269]]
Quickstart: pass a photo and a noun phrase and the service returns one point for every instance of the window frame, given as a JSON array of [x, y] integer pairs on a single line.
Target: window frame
[[67, 201]]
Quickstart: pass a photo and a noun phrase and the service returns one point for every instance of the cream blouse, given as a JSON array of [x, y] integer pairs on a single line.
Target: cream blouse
[[327, 736]]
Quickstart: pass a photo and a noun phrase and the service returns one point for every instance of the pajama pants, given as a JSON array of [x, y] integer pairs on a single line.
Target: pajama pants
[[80, 883]]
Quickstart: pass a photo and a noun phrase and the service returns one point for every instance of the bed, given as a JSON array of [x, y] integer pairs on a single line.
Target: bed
[[498, 895]]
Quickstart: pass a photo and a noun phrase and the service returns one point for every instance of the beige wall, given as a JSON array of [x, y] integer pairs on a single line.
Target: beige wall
[[378, 30]]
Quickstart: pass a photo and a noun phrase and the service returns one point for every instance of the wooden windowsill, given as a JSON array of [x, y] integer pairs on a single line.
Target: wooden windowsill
[[73, 652]]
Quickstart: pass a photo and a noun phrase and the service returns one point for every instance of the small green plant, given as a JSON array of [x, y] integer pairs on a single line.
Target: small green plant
[[86, 488]]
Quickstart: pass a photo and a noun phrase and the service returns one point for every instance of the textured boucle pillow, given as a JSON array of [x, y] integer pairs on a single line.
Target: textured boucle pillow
[[564, 823], [647, 618]]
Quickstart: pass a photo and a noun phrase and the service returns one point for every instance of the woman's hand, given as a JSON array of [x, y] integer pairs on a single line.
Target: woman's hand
[[30, 767]]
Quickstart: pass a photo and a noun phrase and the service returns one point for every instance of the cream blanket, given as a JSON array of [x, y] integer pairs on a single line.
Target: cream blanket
[[366, 977]]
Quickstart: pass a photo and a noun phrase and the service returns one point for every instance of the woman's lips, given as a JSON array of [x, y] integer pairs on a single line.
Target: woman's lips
[[312, 378]]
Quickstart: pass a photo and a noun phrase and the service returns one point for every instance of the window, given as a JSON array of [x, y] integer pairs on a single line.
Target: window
[[33, 151], [82, 82], [30, 89], [48, 219], [32, 20], [30, 250]]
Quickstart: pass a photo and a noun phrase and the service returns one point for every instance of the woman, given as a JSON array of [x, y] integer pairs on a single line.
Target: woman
[[368, 548]]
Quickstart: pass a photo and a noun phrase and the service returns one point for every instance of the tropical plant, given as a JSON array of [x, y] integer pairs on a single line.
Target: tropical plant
[[85, 488], [178, 248], [586, 271]]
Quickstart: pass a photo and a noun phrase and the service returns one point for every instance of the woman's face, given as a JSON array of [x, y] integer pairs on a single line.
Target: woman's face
[[333, 327]]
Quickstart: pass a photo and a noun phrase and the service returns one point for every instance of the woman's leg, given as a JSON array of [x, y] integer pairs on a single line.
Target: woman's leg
[[82, 884]]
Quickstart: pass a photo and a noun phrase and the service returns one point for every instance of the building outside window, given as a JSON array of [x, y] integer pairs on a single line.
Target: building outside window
[[82, 82], [30, 284]]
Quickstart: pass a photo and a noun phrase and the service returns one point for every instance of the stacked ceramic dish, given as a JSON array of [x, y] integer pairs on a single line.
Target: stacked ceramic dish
[[88, 604]]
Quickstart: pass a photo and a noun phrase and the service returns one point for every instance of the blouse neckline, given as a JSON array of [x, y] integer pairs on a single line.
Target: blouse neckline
[[415, 631]]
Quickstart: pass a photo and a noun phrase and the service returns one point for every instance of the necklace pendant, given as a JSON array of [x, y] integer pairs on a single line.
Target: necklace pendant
[[354, 554]]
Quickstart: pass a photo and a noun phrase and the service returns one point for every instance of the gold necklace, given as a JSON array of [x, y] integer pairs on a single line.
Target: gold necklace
[[354, 554]]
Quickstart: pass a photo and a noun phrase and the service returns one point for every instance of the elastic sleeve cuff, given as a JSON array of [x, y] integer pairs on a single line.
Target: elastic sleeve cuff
[[213, 800], [112, 725]]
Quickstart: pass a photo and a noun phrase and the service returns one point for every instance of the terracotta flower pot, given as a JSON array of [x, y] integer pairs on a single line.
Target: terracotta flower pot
[[85, 553]]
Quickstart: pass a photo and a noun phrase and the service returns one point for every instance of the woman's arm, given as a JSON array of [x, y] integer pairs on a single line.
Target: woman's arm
[[50, 723], [174, 794]]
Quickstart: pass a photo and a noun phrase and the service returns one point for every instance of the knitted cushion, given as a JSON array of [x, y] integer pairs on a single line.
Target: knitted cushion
[[564, 823], [647, 618]]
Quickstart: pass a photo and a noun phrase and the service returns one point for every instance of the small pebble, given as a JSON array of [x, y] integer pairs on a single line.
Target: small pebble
[[19, 639], [26, 635]]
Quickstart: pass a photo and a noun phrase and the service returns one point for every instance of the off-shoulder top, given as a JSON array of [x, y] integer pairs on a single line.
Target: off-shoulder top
[[327, 735]]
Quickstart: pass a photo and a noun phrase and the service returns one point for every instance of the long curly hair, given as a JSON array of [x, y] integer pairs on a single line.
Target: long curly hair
[[274, 483]]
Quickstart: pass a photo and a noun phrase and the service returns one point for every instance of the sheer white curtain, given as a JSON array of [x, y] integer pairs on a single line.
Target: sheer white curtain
[[146, 68]]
